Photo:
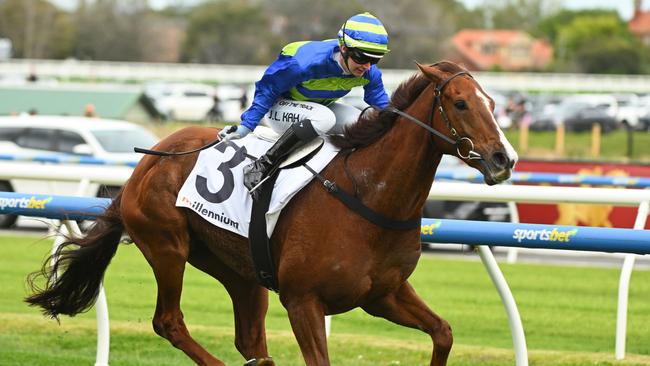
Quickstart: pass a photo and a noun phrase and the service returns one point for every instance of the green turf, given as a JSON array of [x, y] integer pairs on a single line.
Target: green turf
[[578, 145], [568, 314]]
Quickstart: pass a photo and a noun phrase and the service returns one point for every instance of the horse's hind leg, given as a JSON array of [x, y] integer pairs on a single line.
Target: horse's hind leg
[[250, 302], [167, 254], [405, 307]]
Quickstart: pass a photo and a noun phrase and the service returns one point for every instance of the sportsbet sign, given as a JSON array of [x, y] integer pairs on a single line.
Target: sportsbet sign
[[32, 202], [544, 235]]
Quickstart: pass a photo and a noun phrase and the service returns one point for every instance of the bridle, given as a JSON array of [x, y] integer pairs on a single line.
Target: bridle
[[437, 102], [356, 205]]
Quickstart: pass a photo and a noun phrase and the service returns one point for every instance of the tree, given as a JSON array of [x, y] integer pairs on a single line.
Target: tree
[[418, 29], [415, 27], [117, 30], [231, 32], [518, 14], [320, 20], [599, 44], [609, 57], [550, 26], [36, 28]]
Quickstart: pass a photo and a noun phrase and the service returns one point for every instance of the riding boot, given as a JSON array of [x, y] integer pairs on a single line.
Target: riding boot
[[296, 136]]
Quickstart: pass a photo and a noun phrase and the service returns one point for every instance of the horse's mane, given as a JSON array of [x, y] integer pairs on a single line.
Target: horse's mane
[[371, 126]]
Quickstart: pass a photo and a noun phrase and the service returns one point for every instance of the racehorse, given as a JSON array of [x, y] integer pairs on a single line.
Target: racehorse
[[328, 258]]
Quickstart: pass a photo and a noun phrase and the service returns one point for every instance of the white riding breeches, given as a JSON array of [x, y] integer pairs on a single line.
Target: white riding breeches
[[325, 119]]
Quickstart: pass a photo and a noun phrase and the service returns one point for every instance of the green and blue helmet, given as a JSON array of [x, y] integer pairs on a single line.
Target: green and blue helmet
[[366, 33]]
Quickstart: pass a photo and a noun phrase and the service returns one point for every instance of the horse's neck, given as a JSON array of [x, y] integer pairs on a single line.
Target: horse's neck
[[395, 173]]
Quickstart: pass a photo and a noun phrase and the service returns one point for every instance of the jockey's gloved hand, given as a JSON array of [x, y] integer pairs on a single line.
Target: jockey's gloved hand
[[234, 133]]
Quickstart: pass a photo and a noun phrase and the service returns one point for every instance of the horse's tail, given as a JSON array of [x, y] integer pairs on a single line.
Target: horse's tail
[[73, 275]]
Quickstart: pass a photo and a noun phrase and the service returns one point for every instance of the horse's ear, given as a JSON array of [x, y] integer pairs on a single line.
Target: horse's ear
[[431, 72]]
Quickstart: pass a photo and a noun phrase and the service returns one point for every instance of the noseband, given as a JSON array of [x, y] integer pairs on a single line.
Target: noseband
[[437, 102]]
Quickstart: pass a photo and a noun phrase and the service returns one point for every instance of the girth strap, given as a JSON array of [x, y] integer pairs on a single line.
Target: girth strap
[[364, 211], [260, 245], [259, 242]]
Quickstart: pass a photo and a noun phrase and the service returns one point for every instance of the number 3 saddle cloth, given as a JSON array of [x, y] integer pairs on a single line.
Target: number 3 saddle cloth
[[215, 190]]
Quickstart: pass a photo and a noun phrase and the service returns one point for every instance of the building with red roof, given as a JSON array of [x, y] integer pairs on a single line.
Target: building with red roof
[[508, 50], [639, 25]]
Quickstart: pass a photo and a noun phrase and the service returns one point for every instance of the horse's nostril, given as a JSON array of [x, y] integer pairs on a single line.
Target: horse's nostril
[[501, 160]]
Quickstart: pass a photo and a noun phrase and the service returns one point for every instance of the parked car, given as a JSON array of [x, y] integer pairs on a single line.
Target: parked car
[[644, 113], [181, 101], [578, 113], [233, 99], [61, 135], [585, 118], [629, 110], [542, 110]]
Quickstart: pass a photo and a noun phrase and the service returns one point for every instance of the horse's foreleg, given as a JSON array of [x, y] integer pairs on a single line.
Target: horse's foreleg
[[405, 307], [250, 302], [307, 319]]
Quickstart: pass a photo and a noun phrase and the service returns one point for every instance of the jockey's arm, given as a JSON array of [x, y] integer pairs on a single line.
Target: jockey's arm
[[374, 92], [279, 77]]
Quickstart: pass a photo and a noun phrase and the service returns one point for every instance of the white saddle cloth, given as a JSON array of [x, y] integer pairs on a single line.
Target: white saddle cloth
[[215, 190]]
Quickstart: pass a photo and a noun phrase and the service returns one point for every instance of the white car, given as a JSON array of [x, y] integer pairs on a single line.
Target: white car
[[629, 110], [63, 136], [182, 101], [573, 104], [233, 100]]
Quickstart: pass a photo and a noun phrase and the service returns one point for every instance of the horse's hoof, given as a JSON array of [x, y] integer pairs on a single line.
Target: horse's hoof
[[267, 361]]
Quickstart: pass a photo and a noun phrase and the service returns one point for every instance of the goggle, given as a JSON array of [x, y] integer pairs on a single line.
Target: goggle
[[361, 58]]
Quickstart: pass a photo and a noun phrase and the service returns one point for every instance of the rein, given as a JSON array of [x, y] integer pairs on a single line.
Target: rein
[[355, 204], [176, 153], [437, 101]]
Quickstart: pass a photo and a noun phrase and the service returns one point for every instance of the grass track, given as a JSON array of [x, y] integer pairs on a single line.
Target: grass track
[[568, 315], [614, 145]]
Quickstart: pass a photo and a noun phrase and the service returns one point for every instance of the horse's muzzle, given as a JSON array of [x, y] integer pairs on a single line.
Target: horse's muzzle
[[498, 167]]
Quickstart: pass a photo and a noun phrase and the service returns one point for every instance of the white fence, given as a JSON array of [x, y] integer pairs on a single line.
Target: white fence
[[542, 194], [440, 191], [246, 74], [84, 177]]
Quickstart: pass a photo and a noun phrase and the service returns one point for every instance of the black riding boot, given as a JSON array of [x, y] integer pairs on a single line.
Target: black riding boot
[[296, 136]]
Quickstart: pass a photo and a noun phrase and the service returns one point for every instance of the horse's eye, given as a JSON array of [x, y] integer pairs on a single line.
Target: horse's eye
[[460, 105]]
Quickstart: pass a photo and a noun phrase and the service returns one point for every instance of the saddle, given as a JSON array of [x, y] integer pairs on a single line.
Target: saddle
[[298, 156], [217, 194]]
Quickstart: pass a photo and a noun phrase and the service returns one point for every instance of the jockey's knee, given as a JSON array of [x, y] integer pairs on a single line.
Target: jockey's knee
[[305, 130], [324, 121]]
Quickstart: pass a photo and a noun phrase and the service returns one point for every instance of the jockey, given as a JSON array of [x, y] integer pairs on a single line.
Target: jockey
[[298, 91]]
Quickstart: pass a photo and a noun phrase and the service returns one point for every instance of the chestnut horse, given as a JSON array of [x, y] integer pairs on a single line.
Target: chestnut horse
[[328, 259]]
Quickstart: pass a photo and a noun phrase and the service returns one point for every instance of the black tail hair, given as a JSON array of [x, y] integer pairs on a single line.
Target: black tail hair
[[74, 275]]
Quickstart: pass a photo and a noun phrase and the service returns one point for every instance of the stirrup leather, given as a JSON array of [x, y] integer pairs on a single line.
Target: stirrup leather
[[296, 136]]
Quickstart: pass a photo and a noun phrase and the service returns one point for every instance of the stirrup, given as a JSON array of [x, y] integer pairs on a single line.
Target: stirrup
[[263, 361], [258, 185], [258, 168]]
